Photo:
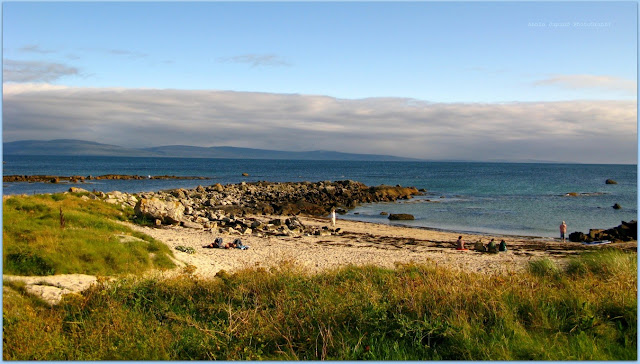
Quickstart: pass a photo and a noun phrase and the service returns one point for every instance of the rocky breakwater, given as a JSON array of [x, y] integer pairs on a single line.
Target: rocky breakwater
[[226, 207]]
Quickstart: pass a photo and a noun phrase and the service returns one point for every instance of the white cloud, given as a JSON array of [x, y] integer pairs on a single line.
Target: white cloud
[[577, 131], [590, 82]]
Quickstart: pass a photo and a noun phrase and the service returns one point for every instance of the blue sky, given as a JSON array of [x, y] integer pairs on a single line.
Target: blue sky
[[446, 52]]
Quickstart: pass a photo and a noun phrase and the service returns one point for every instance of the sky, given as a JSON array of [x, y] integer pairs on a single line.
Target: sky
[[485, 81]]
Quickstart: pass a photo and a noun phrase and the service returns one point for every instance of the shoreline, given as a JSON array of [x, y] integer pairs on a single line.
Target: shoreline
[[459, 232]]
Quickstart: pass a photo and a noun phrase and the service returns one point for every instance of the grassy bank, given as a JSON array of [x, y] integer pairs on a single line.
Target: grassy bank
[[63, 233], [586, 311]]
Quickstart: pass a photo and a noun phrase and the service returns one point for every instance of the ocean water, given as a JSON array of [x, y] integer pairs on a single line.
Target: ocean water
[[491, 198]]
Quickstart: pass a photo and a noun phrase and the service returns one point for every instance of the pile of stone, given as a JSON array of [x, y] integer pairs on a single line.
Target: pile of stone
[[224, 208], [289, 198], [627, 231]]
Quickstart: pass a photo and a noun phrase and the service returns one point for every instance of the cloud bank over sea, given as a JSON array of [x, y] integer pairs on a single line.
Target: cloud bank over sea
[[583, 131]]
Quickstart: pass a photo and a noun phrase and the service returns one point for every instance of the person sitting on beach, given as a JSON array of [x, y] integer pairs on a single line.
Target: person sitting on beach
[[460, 243], [492, 247], [479, 247], [503, 246]]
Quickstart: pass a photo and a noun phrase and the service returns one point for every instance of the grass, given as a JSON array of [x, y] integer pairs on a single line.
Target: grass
[[62, 233], [413, 312], [584, 311]]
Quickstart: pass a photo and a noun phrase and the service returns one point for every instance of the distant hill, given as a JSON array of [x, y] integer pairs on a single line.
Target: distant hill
[[69, 147], [85, 148]]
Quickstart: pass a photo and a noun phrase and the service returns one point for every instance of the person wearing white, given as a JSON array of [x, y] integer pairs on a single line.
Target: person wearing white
[[333, 217]]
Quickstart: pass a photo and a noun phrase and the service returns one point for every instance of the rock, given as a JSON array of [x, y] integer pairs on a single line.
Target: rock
[[572, 194], [232, 231], [384, 213], [611, 182], [218, 187], [577, 237], [245, 174], [616, 206], [77, 190], [169, 212], [595, 233], [401, 217], [256, 224], [111, 201], [191, 225]]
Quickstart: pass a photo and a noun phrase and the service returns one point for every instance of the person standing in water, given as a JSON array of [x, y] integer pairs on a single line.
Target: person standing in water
[[563, 231]]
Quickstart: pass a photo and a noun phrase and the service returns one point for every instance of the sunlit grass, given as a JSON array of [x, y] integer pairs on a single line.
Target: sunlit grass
[[412, 312], [36, 242]]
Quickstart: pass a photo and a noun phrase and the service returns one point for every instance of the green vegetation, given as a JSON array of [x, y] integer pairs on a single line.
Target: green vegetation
[[408, 313], [586, 310], [63, 233]]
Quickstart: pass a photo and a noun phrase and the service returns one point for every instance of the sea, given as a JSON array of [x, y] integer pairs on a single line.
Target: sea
[[523, 199]]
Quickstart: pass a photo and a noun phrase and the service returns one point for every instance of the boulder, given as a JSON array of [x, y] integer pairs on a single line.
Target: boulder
[[616, 206], [77, 190], [577, 237], [401, 217], [170, 212], [218, 187], [611, 182], [191, 225]]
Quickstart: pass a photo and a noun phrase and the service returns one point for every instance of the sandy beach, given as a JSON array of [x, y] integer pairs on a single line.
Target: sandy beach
[[357, 243]]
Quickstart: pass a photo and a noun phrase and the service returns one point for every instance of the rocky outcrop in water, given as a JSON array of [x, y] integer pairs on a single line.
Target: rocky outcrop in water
[[627, 231], [401, 217]]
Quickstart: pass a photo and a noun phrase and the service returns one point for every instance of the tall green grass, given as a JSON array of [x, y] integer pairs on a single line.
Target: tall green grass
[[413, 312], [35, 242]]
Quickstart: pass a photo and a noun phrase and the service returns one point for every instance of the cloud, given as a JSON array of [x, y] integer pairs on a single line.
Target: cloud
[[257, 60], [126, 53], [608, 83], [35, 71], [34, 48], [572, 131]]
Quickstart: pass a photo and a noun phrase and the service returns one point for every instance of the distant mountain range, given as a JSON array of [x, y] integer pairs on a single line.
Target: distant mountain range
[[72, 147]]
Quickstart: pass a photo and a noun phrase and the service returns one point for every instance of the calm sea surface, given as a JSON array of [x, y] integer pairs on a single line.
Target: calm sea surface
[[492, 198]]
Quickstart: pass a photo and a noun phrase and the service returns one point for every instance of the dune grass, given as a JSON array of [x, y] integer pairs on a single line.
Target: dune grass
[[62, 233], [413, 312]]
